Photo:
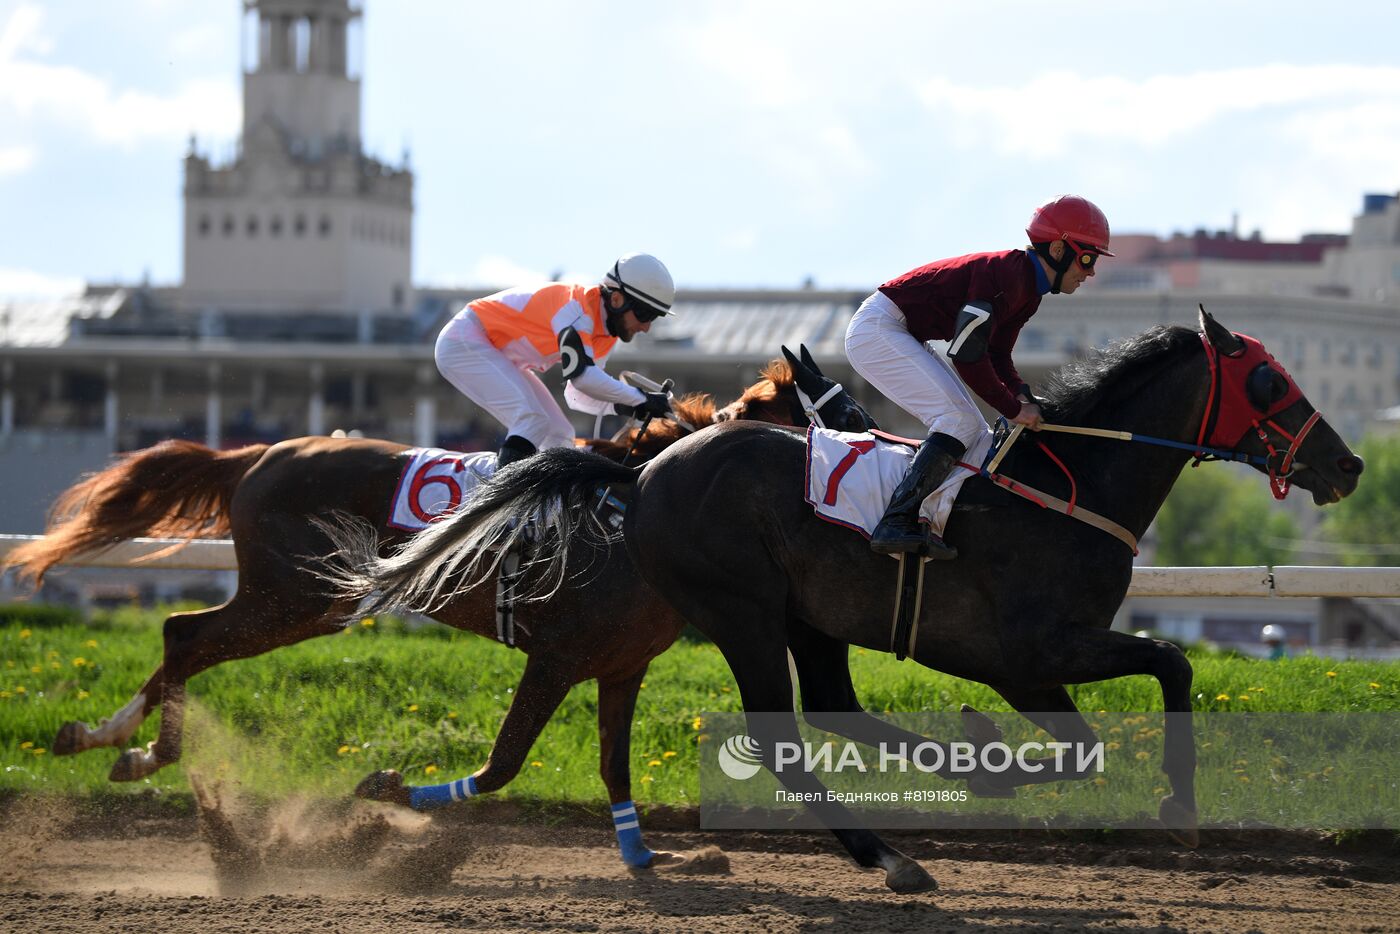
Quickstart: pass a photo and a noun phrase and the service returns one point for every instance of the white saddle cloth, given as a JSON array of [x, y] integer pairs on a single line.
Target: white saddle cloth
[[434, 482], [851, 477]]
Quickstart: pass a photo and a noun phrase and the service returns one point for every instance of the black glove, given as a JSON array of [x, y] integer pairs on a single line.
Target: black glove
[[655, 405]]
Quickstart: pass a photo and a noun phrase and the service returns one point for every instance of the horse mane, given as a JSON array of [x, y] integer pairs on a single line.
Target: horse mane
[[696, 410], [776, 376], [1081, 385]]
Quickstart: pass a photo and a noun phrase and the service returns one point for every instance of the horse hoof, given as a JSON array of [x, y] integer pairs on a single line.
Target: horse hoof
[[70, 739], [708, 861], [383, 786], [909, 877], [132, 765], [979, 728], [1180, 822]]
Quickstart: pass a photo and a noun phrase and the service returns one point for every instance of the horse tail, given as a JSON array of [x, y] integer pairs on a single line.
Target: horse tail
[[176, 489], [547, 500]]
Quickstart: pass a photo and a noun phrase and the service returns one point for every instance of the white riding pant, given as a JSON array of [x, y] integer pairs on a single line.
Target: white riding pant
[[921, 382], [516, 398]]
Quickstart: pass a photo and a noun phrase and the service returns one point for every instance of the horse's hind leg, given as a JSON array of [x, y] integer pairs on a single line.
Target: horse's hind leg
[[1083, 655], [829, 700], [617, 702], [195, 641], [541, 689], [760, 667], [1053, 710], [75, 736]]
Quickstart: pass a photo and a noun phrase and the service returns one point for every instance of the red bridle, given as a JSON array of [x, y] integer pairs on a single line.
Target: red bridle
[[1230, 414]]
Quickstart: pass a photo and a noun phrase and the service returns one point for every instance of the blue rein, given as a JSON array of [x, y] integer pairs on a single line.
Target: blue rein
[[1002, 431]]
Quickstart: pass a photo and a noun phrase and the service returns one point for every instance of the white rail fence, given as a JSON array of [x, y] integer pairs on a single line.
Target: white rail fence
[[1260, 581]]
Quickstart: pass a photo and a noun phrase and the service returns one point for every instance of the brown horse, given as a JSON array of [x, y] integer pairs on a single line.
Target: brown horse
[[269, 498]]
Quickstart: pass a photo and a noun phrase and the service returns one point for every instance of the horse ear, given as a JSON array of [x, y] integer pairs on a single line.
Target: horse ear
[[808, 361], [1219, 335], [792, 361], [808, 380]]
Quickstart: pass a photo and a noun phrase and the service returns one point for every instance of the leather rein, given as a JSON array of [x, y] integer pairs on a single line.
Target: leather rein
[[1280, 464]]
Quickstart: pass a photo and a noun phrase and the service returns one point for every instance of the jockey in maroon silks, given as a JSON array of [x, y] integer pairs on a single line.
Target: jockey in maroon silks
[[978, 303]]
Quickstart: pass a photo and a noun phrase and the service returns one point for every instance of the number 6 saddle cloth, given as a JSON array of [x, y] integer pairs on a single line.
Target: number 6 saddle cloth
[[434, 482], [852, 475]]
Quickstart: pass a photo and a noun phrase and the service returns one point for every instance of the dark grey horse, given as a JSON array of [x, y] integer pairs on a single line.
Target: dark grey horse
[[719, 527]]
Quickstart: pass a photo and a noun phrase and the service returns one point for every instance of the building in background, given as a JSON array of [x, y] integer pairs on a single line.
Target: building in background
[[1368, 267], [297, 316], [302, 219]]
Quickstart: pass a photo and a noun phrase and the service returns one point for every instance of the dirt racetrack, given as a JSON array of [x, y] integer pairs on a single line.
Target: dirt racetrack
[[487, 867]]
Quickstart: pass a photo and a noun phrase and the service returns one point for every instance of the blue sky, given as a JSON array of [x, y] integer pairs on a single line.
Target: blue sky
[[747, 144]]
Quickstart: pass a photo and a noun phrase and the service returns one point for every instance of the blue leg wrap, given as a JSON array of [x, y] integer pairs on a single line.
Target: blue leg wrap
[[629, 835], [426, 797]]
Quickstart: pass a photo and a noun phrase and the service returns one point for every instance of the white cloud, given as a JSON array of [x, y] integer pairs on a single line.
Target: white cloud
[[1147, 112], [21, 33], [34, 92], [781, 111], [15, 160], [27, 284]]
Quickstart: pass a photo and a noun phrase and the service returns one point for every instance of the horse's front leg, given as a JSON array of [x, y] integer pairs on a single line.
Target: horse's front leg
[[75, 736], [1078, 655], [617, 702], [542, 688]]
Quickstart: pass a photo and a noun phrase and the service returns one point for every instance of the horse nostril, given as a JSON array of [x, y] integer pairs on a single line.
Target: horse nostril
[[1351, 464]]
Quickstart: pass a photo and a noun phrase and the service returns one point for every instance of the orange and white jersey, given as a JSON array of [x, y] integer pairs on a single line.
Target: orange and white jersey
[[524, 322]]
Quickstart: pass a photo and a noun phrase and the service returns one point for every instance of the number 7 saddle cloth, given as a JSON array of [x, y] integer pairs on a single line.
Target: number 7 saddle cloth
[[852, 475]]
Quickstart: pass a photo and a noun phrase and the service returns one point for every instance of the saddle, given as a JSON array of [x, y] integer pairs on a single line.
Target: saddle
[[610, 510], [851, 476]]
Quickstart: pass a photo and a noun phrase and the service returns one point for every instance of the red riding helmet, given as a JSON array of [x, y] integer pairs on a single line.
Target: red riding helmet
[[1070, 217]]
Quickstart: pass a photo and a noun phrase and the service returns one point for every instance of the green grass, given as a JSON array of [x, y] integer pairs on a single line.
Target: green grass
[[316, 717]]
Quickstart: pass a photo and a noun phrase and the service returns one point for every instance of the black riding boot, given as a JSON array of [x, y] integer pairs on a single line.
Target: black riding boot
[[899, 530], [514, 448]]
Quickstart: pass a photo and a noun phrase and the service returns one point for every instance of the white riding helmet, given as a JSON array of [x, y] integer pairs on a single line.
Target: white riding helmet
[[642, 278], [1271, 633]]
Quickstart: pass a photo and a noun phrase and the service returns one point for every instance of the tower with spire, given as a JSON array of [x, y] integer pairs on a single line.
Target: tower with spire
[[300, 218]]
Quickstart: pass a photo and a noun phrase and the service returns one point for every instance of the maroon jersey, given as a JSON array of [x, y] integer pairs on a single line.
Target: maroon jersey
[[931, 297]]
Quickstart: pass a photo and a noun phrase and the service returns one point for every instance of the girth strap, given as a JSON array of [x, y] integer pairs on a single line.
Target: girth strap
[[506, 585]]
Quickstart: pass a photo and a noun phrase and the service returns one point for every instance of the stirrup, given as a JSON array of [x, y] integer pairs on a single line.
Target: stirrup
[[892, 537], [922, 543], [936, 549]]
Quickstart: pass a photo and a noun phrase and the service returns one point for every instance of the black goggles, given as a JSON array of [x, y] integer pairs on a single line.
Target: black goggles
[[644, 311]]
